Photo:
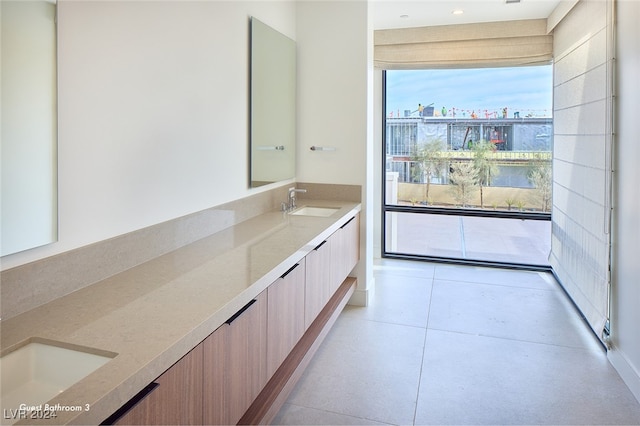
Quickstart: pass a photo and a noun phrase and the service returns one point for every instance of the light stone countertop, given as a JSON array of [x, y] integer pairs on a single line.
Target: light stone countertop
[[153, 314]]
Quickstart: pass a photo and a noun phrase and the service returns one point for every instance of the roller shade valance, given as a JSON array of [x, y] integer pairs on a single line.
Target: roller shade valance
[[510, 43]]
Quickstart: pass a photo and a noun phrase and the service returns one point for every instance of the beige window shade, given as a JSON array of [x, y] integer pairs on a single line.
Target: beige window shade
[[510, 43]]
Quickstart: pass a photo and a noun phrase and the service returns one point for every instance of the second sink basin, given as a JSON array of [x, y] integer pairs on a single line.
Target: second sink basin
[[315, 211], [40, 370]]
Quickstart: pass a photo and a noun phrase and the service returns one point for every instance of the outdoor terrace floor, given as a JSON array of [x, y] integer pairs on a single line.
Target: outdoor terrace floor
[[470, 238]]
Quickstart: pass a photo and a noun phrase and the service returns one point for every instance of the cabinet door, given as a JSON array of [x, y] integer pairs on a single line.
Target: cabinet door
[[345, 251], [317, 281], [285, 322], [235, 364], [176, 399], [352, 244]]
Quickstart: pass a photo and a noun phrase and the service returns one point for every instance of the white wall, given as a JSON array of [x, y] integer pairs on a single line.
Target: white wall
[[153, 112], [332, 91], [580, 240], [334, 108], [377, 164], [625, 309]]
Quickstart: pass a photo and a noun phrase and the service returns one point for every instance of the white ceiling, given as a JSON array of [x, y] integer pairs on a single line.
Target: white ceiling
[[386, 13]]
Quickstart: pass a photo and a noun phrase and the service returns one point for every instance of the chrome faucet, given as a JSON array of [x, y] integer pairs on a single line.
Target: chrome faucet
[[292, 197]]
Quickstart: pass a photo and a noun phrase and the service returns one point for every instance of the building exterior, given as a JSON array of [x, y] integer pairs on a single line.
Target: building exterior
[[517, 141]]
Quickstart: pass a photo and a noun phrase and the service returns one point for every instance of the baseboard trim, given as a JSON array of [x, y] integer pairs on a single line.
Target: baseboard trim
[[360, 297], [629, 375], [266, 406]]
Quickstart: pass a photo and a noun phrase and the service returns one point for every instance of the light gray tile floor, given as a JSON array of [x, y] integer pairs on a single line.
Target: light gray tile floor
[[444, 344]]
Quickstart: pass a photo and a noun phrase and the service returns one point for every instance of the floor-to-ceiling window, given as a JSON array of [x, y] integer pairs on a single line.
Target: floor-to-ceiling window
[[467, 165]]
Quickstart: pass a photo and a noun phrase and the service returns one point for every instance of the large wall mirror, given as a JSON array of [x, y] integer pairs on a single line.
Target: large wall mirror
[[28, 144], [273, 105]]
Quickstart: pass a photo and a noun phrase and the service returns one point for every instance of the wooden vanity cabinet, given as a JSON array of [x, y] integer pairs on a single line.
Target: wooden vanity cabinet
[[285, 321], [173, 398], [235, 364], [231, 375]]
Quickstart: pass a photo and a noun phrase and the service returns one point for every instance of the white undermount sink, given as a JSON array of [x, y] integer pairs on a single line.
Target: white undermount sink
[[315, 211], [38, 371]]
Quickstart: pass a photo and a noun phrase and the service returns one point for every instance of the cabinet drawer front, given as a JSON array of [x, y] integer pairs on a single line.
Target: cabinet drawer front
[[174, 398], [235, 369], [285, 324], [317, 282]]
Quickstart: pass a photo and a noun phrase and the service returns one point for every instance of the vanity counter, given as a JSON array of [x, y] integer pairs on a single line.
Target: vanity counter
[[153, 314]]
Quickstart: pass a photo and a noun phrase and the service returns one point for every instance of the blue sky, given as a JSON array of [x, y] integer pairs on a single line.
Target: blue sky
[[525, 89]]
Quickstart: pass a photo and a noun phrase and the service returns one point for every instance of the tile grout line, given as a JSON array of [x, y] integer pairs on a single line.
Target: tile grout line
[[336, 413], [524, 287], [424, 346], [511, 339]]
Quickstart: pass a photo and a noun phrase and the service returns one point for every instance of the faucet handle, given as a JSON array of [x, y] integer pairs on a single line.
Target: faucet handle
[[293, 190]]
